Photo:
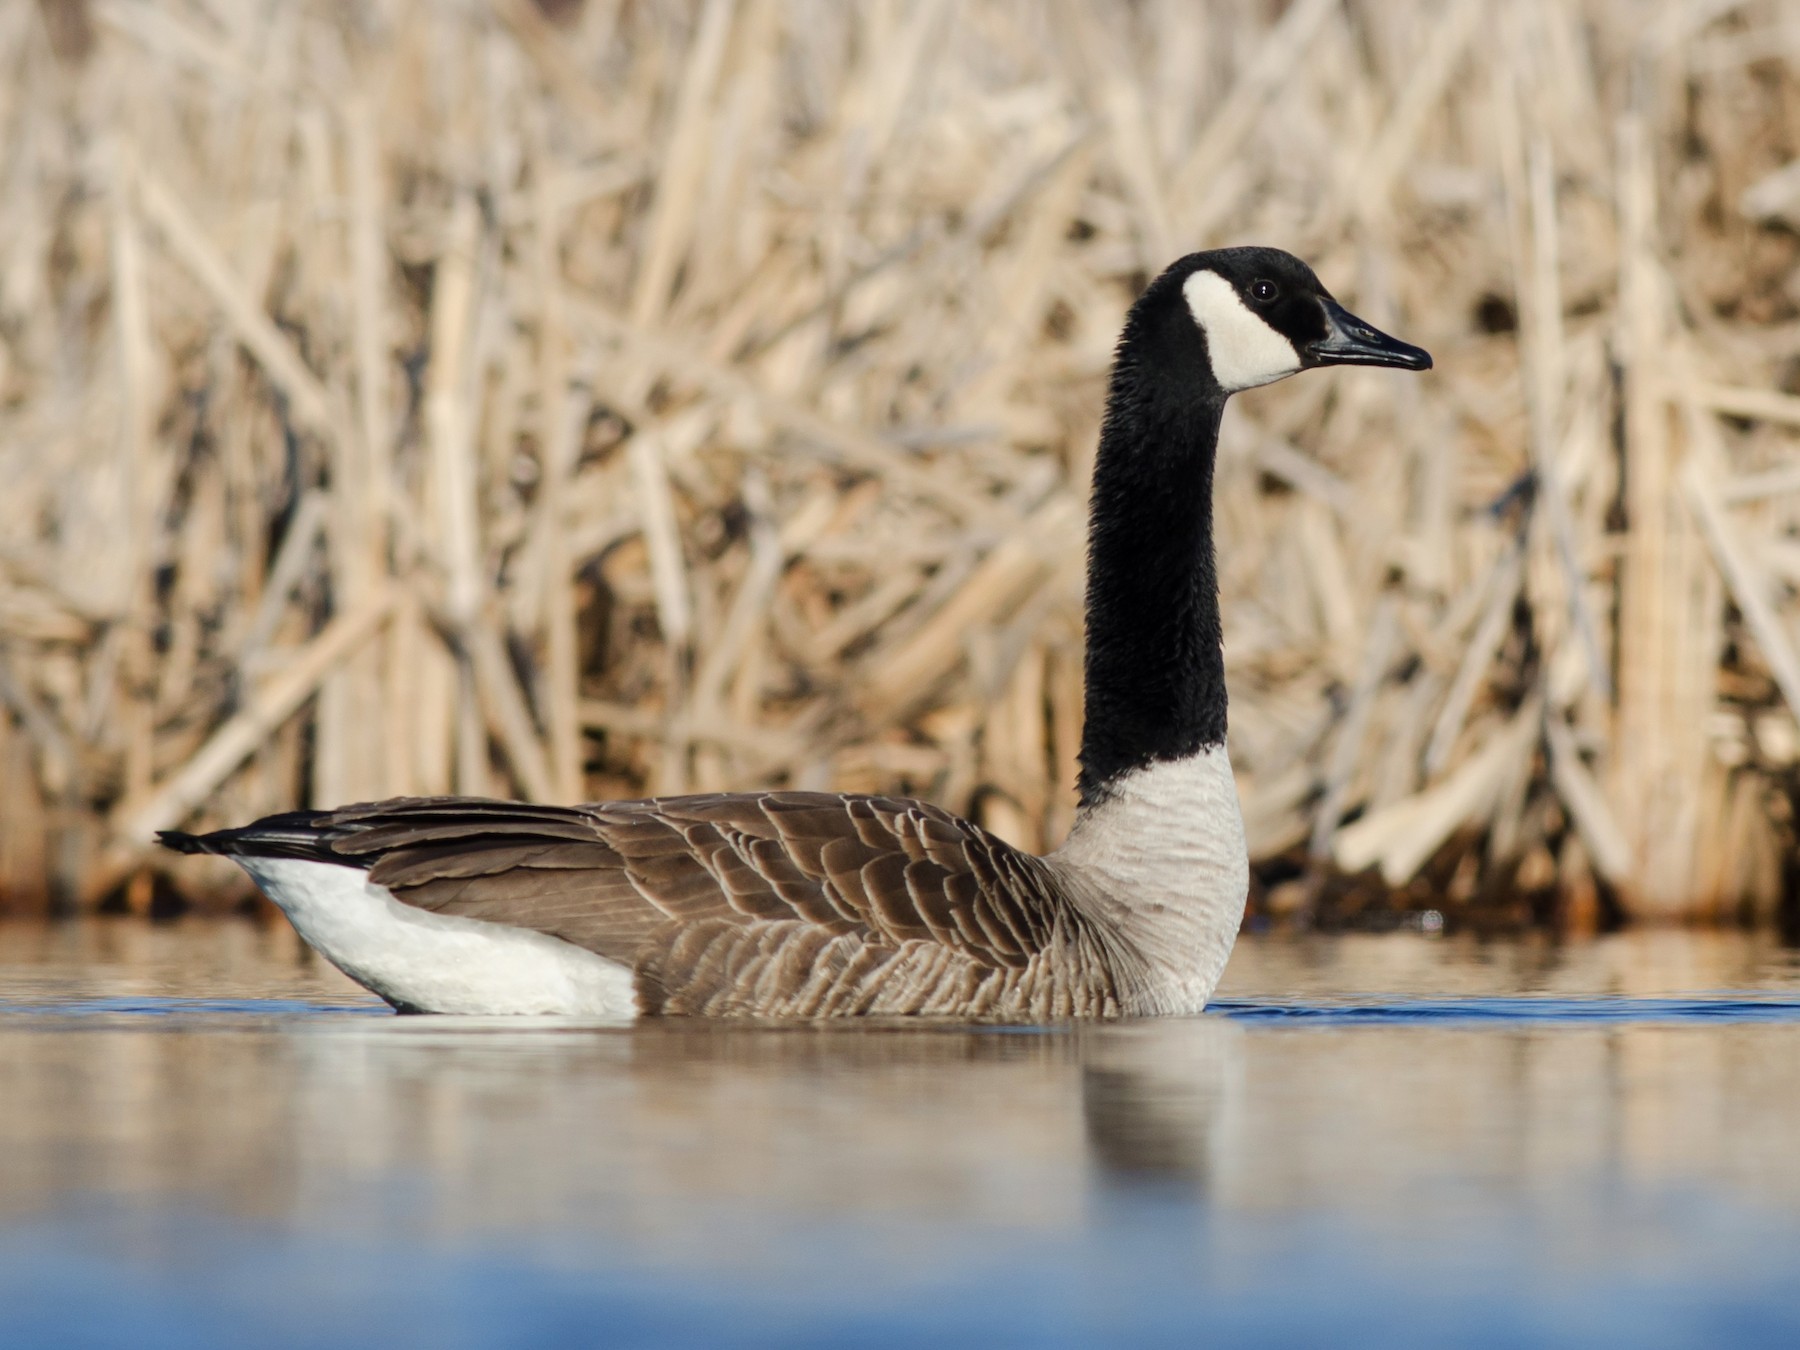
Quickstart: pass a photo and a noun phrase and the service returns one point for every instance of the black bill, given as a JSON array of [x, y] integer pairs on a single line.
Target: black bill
[[1348, 341]]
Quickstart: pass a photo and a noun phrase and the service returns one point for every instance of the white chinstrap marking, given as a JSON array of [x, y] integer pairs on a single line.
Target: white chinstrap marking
[[438, 962], [1166, 857], [1245, 351]]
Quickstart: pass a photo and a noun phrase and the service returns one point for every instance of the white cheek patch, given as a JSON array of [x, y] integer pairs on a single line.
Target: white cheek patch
[[1245, 351]]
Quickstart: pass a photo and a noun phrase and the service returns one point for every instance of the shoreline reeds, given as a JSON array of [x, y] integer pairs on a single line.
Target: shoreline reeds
[[602, 399]]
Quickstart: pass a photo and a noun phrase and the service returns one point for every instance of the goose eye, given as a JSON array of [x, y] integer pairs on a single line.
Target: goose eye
[[1263, 291]]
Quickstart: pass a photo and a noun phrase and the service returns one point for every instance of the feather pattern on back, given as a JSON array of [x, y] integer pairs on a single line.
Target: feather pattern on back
[[760, 904]]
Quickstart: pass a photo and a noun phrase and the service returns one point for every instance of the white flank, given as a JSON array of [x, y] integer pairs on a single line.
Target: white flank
[[1245, 351], [1166, 853], [437, 962]]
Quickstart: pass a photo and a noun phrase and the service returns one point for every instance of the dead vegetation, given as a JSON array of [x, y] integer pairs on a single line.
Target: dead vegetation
[[601, 398]]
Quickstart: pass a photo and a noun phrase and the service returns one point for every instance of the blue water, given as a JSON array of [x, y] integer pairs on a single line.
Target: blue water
[[1715, 1007], [199, 1009], [1143, 1274], [206, 1141]]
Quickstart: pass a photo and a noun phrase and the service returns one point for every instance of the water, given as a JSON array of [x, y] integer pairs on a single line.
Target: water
[[207, 1139]]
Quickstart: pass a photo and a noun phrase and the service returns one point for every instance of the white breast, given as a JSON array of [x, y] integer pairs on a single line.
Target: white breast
[[437, 962], [1245, 351], [1166, 855]]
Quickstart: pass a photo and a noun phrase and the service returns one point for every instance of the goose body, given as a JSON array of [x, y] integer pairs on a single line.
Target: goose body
[[808, 904]]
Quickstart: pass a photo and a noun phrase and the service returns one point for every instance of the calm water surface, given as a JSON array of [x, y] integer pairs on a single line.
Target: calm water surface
[[208, 1139]]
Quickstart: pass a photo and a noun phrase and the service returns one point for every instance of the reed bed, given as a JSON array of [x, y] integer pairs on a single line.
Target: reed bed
[[591, 399]]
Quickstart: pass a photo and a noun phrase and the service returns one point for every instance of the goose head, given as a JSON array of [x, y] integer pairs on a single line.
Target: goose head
[[1259, 315]]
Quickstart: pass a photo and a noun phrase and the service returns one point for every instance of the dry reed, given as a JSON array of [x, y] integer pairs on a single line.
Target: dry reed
[[589, 399]]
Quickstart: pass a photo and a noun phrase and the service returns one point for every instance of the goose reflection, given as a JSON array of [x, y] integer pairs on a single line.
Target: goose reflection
[[973, 1125], [1158, 1104], [459, 1127]]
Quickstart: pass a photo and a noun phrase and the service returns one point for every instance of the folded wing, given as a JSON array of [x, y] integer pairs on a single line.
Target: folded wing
[[670, 885]]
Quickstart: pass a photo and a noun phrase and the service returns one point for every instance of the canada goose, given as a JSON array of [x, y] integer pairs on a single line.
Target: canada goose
[[810, 904]]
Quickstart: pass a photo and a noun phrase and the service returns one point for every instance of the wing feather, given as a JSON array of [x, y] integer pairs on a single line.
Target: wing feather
[[797, 898]]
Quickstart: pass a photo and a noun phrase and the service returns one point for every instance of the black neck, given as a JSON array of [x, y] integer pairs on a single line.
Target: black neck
[[1155, 668]]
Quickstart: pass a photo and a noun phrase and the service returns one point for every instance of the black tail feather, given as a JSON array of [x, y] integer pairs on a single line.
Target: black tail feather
[[182, 842], [293, 834], [357, 835]]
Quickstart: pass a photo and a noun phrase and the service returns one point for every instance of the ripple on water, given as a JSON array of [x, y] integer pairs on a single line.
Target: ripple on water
[[1722, 1007], [152, 1006], [1709, 1009]]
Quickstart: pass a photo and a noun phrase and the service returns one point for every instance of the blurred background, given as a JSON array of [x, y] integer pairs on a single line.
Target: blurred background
[[573, 399]]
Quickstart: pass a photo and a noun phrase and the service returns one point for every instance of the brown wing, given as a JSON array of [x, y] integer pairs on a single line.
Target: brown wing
[[618, 877]]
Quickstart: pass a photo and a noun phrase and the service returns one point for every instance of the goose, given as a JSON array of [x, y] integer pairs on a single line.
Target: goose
[[784, 904]]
